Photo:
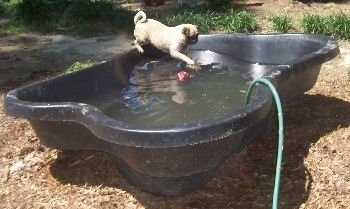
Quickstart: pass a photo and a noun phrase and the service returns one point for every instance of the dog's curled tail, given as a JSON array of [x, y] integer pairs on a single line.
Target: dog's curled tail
[[140, 17]]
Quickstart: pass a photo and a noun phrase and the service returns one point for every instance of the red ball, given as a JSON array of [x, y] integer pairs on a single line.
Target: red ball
[[183, 75]]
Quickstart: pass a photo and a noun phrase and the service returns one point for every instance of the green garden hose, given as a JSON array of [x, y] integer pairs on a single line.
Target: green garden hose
[[280, 134]]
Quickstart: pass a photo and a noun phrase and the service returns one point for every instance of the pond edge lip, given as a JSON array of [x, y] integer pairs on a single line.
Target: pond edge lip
[[326, 53], [109, 129]]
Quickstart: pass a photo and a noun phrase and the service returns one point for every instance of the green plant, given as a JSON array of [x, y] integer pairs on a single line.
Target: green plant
[[12, 28], [8, 7], [90, 16], [339, 25], [39, 11], [336, 25], [239, 21], [79, 66], [78, 16], [313, 23], [83, 10], [282, 23], [33, 11], [2, 8]]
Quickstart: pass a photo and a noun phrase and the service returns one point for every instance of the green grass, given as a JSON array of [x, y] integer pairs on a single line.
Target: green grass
[[8, 7], [81, 17], [209, 20], [84, 17], [206, 20], [88, 18], [14, 28], [282, 23]]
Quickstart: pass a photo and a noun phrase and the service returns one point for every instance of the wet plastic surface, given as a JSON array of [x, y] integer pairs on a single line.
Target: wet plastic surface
[[165, 159]]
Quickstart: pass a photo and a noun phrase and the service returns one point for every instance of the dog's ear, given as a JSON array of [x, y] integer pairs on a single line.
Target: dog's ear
[[186, 31]]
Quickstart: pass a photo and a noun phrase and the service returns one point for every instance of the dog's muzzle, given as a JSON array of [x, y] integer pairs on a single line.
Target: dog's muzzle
[[192, 39]]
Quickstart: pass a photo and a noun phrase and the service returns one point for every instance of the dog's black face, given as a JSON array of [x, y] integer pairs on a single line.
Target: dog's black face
[[192, 39]]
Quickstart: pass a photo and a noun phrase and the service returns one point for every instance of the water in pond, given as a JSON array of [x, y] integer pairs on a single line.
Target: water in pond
[[155, 97]]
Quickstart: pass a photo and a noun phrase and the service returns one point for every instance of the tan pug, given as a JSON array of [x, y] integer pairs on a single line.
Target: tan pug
[[171, 40]]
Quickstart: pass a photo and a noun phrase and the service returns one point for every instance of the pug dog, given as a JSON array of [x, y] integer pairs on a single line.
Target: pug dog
[[171, 40]]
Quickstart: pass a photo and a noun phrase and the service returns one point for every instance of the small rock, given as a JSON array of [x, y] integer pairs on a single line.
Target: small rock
[[33, 161], [17, 166], [28, 157], [5, 174]]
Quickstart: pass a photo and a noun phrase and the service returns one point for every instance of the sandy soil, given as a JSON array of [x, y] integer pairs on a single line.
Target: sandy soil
[[316, 170]]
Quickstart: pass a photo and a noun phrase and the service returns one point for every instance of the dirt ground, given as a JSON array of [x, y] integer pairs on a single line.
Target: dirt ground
[[316, 169]]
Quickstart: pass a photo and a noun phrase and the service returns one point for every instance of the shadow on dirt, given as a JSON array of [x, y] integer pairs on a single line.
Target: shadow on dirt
[[306, 120], [28, 56]]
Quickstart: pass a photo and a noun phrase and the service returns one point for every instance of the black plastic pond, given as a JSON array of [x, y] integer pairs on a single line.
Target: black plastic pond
[[167, 136]]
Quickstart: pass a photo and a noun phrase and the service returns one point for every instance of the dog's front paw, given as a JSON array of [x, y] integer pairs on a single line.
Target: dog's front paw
[[140, 50], [194, 66]]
